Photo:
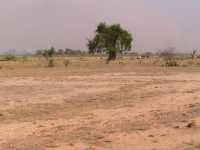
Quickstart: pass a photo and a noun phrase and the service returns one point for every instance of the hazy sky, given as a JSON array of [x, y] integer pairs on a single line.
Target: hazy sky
[[155, 24]]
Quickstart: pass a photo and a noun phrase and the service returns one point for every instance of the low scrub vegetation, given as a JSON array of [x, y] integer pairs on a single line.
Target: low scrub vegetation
[[49, 55], [49, 58], [9, 57], [169, 57]]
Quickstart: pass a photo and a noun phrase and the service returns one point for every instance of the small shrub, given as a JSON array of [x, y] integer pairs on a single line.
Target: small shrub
[[66, 63], [171, 63], [169, 57], [147, 55], [51, 62], [49, 54]]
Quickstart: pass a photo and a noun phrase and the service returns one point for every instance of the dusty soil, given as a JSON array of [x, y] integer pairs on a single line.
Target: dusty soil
[[99, 107]]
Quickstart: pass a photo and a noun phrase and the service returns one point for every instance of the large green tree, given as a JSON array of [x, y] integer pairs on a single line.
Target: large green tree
[[111, 39]]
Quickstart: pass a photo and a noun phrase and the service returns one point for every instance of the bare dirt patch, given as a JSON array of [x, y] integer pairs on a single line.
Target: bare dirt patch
[[99, 108]]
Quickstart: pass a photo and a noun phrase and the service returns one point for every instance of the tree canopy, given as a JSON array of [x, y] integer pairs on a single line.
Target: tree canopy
[[110, 39]]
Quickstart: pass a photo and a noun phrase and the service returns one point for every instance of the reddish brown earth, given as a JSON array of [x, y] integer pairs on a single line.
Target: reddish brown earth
[[99, 108]]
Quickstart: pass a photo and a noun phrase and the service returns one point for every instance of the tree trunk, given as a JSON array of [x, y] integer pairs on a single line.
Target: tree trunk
[[112, 56]]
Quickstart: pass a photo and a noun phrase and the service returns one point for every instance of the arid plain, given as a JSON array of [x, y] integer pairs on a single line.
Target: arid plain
[[90, 105]]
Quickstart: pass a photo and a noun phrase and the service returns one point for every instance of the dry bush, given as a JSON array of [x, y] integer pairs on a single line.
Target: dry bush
[[51, 62], [194, 53], [168, 56], [147, 55], [66, 62]]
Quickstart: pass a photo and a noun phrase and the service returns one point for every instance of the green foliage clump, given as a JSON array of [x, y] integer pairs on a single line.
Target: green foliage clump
[[48, 54], [110, 39]]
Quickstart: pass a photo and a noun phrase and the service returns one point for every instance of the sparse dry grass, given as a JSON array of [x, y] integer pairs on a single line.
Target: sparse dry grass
[[38, 61]]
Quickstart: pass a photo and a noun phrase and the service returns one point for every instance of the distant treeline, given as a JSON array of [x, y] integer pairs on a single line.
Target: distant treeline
[[170, 51], [59, 52]]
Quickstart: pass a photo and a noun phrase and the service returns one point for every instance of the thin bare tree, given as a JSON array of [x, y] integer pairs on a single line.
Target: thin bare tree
[[194, 52]]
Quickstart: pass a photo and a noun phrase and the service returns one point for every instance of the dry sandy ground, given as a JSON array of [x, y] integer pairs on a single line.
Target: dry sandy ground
[[133, 109]]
